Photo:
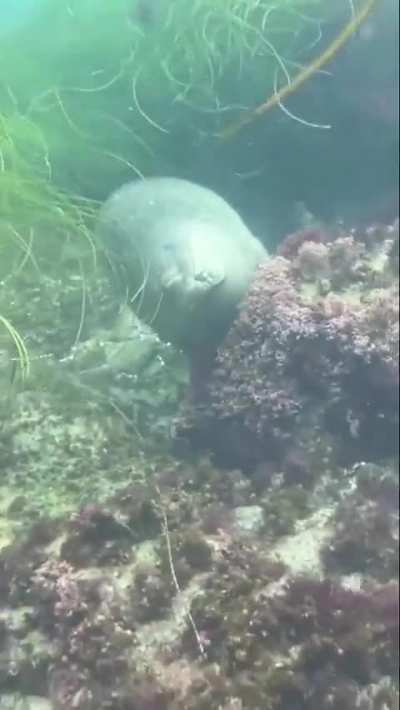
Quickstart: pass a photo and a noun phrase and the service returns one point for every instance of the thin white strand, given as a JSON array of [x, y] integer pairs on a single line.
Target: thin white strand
[[139, 108]]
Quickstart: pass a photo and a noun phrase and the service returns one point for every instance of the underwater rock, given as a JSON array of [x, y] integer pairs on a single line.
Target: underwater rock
[[310, 364], [187, 257], [151, 595], [365, 526], [249, 518], [291, 244], [274, 634], [16, 701], [96, 535]]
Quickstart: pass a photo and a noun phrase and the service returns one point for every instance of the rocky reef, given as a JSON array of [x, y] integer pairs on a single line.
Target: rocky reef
[[261, 575], [309, 368], [182, 592], [96, 398]]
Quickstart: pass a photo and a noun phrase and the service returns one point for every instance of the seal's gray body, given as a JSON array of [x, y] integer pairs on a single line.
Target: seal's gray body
[[187, 256]]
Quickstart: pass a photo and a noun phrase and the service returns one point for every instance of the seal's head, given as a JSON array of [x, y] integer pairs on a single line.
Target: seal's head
[[187, 256]]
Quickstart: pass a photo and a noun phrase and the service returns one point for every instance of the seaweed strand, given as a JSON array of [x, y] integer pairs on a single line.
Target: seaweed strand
[[276, 99]]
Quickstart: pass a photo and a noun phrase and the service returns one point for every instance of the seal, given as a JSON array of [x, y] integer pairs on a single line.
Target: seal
[[186, 256]]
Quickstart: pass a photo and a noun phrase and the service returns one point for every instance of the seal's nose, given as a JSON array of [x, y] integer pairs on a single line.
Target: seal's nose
[[208, 278], [202, 276]]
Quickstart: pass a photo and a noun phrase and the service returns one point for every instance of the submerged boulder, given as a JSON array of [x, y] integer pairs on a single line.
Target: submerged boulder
[[309, 368]]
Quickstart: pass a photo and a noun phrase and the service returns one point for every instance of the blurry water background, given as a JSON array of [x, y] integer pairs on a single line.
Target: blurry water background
[[95, 93]]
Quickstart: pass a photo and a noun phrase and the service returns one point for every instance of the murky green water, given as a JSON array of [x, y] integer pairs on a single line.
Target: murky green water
[[188, 473]]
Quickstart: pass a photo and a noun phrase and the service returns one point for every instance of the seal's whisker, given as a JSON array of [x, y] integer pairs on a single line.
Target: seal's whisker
[[157, 310], [146, 280]]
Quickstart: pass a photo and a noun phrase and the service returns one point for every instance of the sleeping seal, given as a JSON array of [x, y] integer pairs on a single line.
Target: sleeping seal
[[187, 256]]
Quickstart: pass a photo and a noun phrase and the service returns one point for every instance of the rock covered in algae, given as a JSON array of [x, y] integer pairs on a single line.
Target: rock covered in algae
[[263, 632], [312, 355], [16, 701]]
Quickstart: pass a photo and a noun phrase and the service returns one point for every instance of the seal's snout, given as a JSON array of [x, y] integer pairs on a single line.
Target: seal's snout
[[208, 279]]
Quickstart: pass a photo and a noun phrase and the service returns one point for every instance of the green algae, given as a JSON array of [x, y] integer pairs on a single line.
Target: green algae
[[135, 80], [138, 78]]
